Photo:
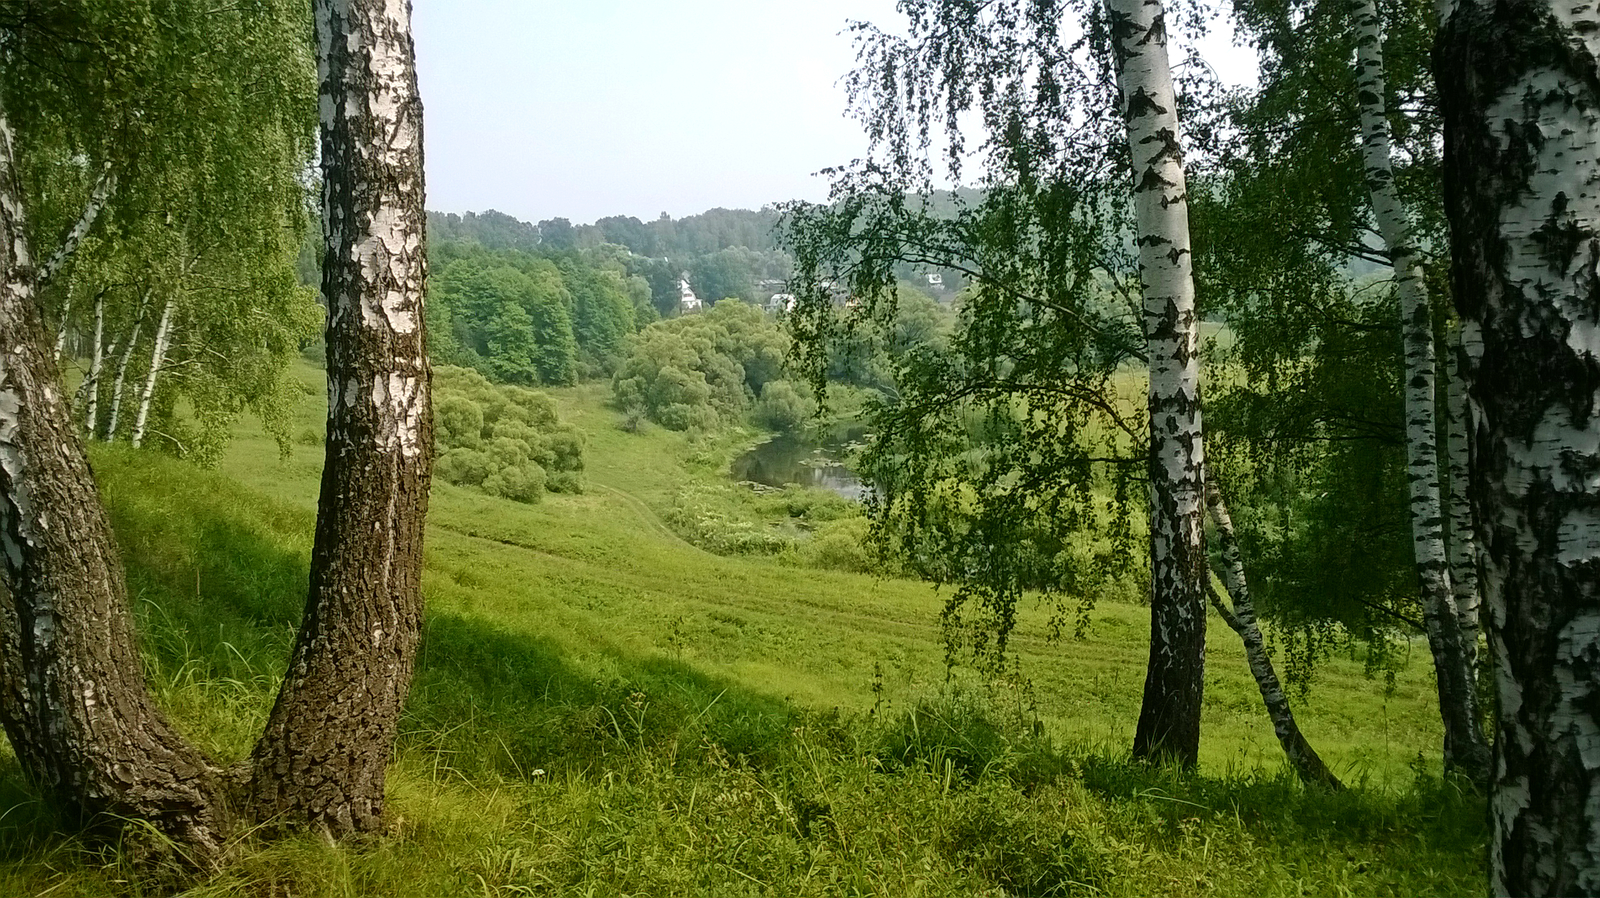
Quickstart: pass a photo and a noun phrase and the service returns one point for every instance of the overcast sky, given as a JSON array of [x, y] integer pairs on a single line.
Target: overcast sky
[[637, 107]]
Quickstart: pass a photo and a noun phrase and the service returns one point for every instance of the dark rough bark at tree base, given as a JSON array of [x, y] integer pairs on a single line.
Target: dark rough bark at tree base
[[322, 758], [1519, 89], [72, 694]]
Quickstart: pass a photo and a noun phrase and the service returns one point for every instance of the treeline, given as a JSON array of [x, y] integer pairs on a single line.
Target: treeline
[[720, 253]]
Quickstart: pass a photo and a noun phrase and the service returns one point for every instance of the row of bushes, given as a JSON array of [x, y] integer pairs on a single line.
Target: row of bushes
[[505, 440]]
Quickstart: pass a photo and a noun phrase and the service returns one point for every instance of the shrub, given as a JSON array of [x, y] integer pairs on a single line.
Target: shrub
[[458, 422], [505, 440], [842, 545], [464, 467], [784, 407], [520, 483]]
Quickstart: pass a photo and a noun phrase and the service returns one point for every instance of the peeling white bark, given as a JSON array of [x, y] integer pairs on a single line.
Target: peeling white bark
[[119, 386], [91, 384], [353, 656], [1519, 86], [61, 329]]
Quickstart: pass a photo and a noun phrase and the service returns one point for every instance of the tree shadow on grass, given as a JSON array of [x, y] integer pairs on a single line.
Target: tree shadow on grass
[[218, 577], [218, 574]]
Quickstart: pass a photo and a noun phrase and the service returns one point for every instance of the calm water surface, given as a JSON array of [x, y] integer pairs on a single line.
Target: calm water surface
[[784, 460]]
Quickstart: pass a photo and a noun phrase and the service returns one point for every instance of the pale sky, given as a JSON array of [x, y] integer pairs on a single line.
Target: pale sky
[[636, 107]]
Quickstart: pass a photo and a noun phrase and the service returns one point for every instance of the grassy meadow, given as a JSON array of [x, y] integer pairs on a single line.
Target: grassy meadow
[[602, 708]]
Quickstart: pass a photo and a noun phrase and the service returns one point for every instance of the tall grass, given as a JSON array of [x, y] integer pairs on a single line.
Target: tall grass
[[601, 709]]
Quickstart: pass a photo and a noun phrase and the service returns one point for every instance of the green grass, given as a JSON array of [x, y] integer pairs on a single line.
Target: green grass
[[602, 708]]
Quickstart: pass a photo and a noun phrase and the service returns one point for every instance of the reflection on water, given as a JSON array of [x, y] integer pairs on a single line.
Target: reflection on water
[[786, 459]]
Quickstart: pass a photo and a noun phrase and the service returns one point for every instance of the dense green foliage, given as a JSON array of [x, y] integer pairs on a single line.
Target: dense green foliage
[[700, 371], [201, 121], [523, 316], [1305, 402], [1004, 454], [506, 440], [601, 709], [721, 253]]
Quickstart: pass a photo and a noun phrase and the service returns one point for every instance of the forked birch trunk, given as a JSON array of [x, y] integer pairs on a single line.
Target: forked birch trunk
[[1169, 720], [158, 358], [73, 700], [1519, 89], [322, 758], [1241, 617], [1465, 750]]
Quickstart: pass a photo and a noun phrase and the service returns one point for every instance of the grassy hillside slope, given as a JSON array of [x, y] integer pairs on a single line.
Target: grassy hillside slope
[[602, 708]]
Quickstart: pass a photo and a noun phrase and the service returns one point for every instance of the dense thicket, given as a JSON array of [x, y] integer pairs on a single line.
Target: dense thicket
[[702, 371], [505, 440]]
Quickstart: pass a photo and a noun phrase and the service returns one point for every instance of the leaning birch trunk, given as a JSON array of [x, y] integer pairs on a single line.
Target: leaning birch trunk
[[73, 701], [322, 759], [104, 187], [1519, 90], [91, 384], [1465, 750], [158, 358], [1169, 720], [1307, 764], [1463, 542], [119, 385]]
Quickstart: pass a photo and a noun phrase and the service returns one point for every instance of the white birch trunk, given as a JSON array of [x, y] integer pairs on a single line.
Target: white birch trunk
[[158, 358], [323, 755], [1465, 750], [119, 386], [91, 384], [104, 186], [1519, 89], [1463, 541], [1307, 764], [1169, 721]]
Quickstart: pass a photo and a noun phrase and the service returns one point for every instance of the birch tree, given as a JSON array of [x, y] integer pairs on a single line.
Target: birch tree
[[1464, 747], [72, 696], [194, 177], [322, 758], [1053, 315], [1240, 615], [1169, 721], [1519, 88]]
